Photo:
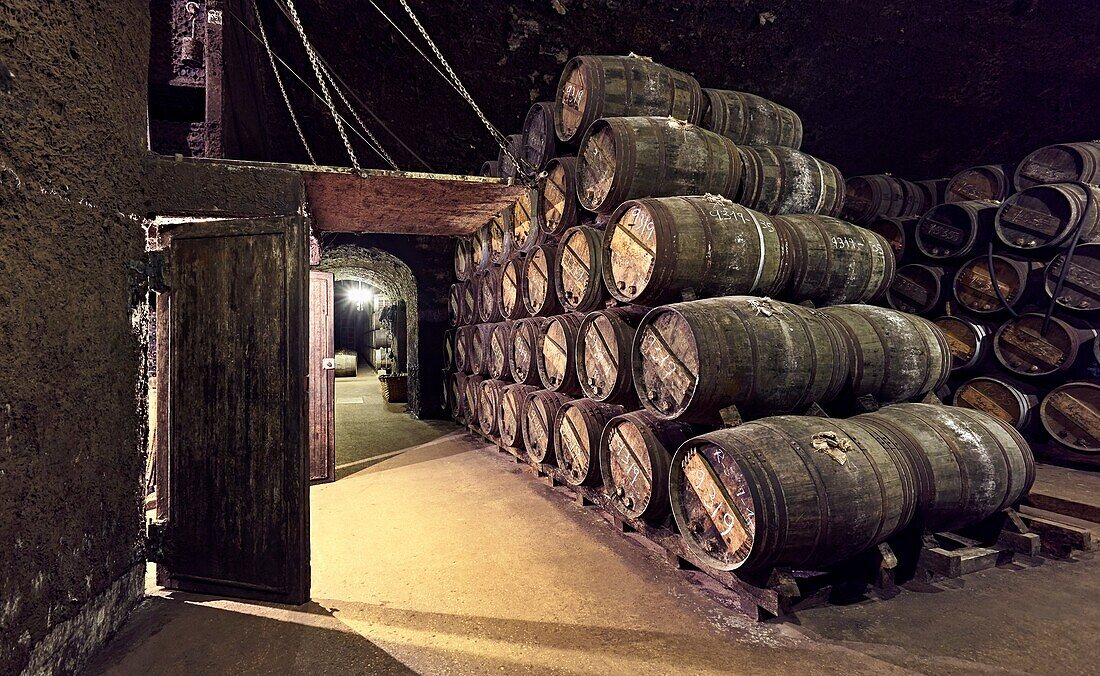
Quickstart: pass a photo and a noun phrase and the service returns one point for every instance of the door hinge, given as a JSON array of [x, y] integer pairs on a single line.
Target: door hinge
[[147, 274]]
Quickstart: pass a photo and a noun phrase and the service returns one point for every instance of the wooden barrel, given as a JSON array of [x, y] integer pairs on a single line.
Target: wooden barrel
[[380, 338], [578, 270], [1081, 288], [456, 304], [1000, 399], [556, 359], [513, 405], [479, 244], [464, 258], [525, 233], [540, 142], [577, 428], [604, 341], [876, 196], [538, 424], [555, 200], [500, 343], [490, 168], [524, 353], [894, 356], [987, 182], [899, 232], [464, 344], [479, 349], [778, 180], [500, 237], [624, 158], [489, 289], [457, 397], [973, 284], [592, 87], [346, 363], [751, 120], [1049, 215], [833, 261], [789, 491], [917, 289], [693, 359], [969, 465], [969, 341], [508, 167], [1060, 163], [1022, 348], [1071, 415], [471, 401], [449, 350], [538, 294], [471, 300], [635, 453], [956, 229], [653, 250], [488, 415], [932, 192], [511, 285]]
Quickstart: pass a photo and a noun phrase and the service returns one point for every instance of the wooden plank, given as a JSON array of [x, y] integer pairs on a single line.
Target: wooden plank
[[1066, 491], [322, 379], [238, 446]]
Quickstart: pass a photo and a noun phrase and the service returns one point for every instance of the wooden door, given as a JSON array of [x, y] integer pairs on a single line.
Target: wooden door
[[322, 379], [238, 467]]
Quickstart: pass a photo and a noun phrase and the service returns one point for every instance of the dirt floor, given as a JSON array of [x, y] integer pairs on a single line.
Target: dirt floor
[[447, 558]]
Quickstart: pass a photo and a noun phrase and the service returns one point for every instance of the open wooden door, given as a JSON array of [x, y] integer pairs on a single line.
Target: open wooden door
[[322, 379], [238, 465]]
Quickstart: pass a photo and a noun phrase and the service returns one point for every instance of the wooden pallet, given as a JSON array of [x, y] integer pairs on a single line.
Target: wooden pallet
[[1064, 508], [782, 591]]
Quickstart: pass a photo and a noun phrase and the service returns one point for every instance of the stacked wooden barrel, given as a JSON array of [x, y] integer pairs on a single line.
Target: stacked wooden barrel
[[988, 262], [680, 268]]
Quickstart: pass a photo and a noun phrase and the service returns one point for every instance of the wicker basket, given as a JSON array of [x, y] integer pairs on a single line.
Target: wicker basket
[[395, 389]]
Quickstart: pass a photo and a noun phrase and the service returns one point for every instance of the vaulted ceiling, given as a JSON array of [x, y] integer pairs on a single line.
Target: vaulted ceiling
[[920, 89]]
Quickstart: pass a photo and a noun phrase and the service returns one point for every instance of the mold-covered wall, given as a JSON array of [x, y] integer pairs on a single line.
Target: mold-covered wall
[[72, 140], [918, 88]]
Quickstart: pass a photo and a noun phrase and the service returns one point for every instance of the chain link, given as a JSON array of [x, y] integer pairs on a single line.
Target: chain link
[[279, 80], [376, 146], [313, 60], [526, 170]]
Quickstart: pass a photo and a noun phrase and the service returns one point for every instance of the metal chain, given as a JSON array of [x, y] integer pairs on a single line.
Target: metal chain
[[524, 167], [324, 86], [279, 80], [375, 144]]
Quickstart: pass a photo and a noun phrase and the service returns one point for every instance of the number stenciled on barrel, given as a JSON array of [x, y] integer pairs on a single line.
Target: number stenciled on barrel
[[845, 242]]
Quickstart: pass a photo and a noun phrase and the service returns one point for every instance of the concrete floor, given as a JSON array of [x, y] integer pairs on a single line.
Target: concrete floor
[[447, 558]]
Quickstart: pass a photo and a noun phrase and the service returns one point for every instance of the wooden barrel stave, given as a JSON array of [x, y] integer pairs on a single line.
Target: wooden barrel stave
[[539, 138], [593, 87], [876, 196], [525, 232], [511, 288], [1070, 413], [526, 345], [778, 180], [479, 348], [458, 397], [555, 201], [500, 342], [501, 234], [692, 359], [488, 286], [577, 428], [635, 454], [538, 424], [513, 404], [472, 399], [748, 119], [578, 270], [604, 341], [894, 356], [464, 258], [630, 157], [556, 359], [456, 304], [488, 415]]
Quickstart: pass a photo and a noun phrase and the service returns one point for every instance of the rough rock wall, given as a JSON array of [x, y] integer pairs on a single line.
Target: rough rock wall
[[72, 92], [918, 88]]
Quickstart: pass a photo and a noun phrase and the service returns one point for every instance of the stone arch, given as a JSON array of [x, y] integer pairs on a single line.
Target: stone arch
[[393, 277]]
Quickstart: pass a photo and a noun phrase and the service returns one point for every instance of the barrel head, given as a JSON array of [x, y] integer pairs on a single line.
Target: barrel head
[[996, 398], [628, 470], [713, 504], [973, 284], [599, 367], [1071, 415], [1081, 288], [596, 167], [1040, 216], [1022, 347], [631, 252], [667, 367]]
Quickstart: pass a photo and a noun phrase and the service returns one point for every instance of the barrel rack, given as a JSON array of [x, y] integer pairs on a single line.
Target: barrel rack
[[1007, 538]]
